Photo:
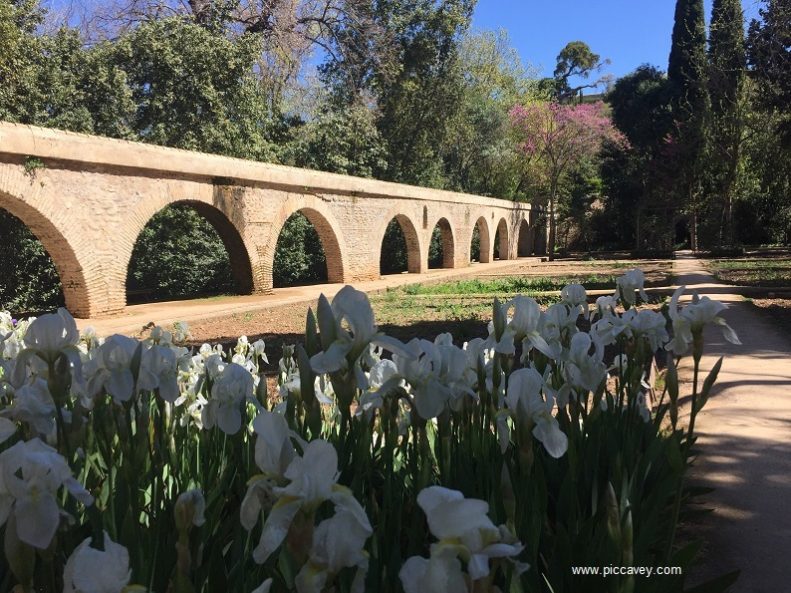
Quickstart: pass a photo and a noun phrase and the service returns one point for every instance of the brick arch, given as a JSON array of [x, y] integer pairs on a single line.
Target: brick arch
[[70, 261], [414, 250], [448, 242], [524, 245], [504, 243], [485, 239], [327, 229], [238, 251]]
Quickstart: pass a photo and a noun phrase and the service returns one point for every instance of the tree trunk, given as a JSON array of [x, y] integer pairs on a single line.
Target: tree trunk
[[551, 222], [638, 230], [733, 171]]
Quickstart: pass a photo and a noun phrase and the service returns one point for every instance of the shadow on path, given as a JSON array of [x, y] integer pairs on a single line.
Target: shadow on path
[[744, 447]]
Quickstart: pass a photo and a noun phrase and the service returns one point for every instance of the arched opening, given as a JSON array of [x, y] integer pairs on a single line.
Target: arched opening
[[400, 249], [475, 245], [524, 246], [441, 252], [480, 245], [307, 251], [501, 240], [187, 250], [29, 280]]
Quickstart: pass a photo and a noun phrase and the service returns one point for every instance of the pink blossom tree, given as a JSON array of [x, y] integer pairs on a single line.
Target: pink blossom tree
[[556, 137]]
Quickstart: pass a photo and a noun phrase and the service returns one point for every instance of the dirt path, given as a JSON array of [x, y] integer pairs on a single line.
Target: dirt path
[[745, 445]]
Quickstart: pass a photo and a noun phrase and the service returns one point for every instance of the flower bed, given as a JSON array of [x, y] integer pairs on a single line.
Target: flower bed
[[379, 466]]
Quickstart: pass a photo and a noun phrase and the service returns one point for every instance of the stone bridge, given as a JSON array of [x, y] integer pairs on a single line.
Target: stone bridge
[[88, 198]]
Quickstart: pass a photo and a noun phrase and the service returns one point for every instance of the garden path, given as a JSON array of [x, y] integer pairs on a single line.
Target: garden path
[[744, 444]]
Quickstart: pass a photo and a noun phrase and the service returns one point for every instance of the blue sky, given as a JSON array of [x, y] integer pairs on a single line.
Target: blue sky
[[628, 32]]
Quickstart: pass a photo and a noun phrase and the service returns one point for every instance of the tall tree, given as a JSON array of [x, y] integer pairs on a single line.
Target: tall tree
[[195, 89], [687, 74], [769, 51], [577, 60], [480, 154], [558, 137], [633, 172], [727, 64], [410, 70]]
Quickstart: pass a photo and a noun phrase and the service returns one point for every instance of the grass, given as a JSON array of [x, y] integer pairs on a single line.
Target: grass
[[510, 285], [771, 272], [463, 307]]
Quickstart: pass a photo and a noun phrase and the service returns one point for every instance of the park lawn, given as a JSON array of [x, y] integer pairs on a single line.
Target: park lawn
[[771, 272]]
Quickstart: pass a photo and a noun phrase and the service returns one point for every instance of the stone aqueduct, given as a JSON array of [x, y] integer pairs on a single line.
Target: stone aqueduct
[[88, 198]]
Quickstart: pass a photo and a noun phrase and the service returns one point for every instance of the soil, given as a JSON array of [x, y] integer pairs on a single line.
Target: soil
[[778, 310]]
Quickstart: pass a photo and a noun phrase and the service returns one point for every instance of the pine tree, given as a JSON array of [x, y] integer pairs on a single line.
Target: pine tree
[[687, 75]]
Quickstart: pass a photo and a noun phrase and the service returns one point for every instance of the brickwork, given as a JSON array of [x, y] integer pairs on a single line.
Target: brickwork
[[93, 196]]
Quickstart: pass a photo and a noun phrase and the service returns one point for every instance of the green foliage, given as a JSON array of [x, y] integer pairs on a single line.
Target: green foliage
[[480, 152], [475, 244], [55, 81], [411, 69], [768, 43], [299, 255], [637, 203], [393, 258], [194, 89], [342, 142], [687, 65], [690, 104], [512, 285], [435, 251], [727, 60], [29, 282], [763, 207], [178, 254], [576, 59]]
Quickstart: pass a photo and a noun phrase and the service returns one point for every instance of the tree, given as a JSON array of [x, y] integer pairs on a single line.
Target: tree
[[194, 89], [727, 65], [480, 154], [640, 104], [556, 137], [410, 70], [576, 60], [179, 254], [687, 75], [769, 56], [342, 142], [288, 32], [29, 282], [53, 80]]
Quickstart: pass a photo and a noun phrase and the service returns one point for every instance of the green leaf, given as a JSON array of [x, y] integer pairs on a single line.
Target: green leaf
[[687, 554], [307, 379], [312, 344], [328, 325], [671, 381], [716, 585], [708, 383]]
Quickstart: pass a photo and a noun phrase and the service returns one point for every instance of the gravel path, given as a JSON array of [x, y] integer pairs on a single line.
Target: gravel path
[[744, 445]]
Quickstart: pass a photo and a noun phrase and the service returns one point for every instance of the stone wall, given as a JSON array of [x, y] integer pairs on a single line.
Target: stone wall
[[88, 198]]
